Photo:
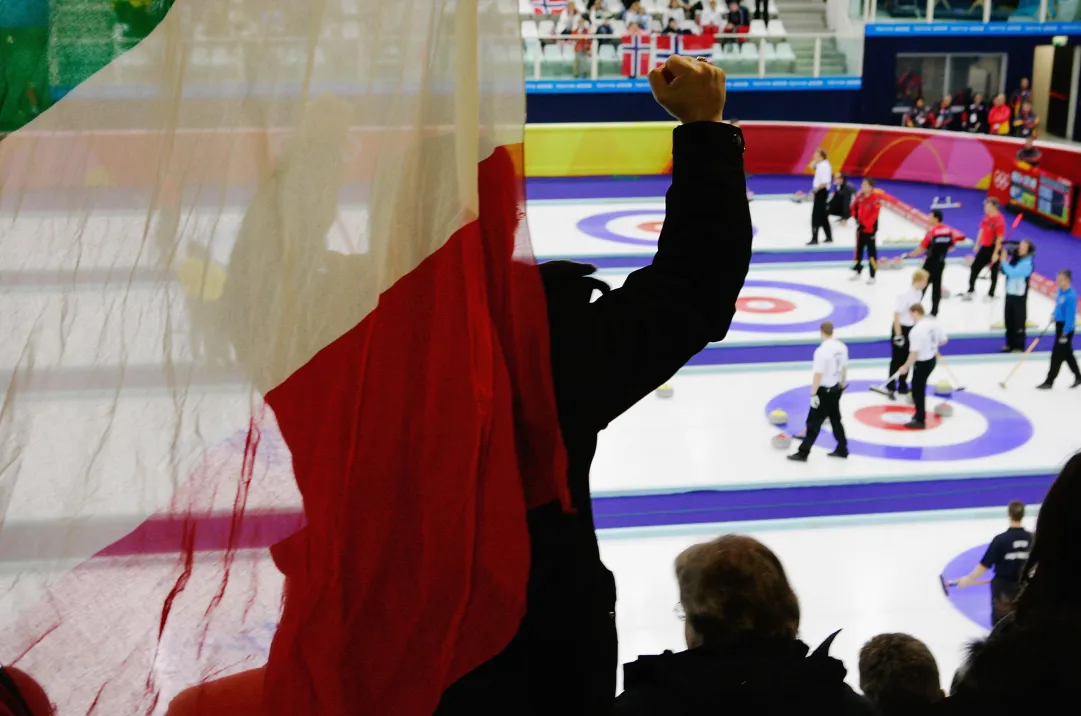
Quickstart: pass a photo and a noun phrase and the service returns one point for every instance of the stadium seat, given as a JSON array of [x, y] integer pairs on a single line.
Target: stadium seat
[[525, 7], [785, 52], [608, 61], [758, 27], [776, 28], [555, 64], [619, 28], [546, 28], [529, 29]]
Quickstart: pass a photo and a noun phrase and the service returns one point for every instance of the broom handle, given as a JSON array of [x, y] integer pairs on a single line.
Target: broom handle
[[1031, 347]]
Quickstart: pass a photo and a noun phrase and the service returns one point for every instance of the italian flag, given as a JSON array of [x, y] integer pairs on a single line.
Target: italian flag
[[275, 392]]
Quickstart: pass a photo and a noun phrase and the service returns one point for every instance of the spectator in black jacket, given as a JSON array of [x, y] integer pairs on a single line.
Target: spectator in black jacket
[[840, 204], [944, 116], [563, 659], [1030, 662], [743, 655], [919, 117], [976, 115], [898, 674]]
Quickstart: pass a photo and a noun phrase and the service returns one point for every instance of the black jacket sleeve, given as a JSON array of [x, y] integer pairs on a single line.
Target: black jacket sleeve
[[634, 338]]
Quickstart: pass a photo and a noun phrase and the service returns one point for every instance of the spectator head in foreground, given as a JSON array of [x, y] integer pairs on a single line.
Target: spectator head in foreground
[[734, 590], [1052, 576], [898, 674], [743, 655]]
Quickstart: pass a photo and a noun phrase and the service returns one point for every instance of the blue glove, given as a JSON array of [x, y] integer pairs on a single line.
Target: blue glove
[[815, 402]]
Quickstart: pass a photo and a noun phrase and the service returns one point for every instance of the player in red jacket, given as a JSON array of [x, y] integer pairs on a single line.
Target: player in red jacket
[[865, 209]]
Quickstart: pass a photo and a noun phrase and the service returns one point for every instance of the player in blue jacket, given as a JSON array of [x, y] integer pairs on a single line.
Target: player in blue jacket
[[1017, 271], [1065, 322]]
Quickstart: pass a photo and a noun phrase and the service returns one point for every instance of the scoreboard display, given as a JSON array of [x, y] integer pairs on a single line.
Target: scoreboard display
[[1046, 195]]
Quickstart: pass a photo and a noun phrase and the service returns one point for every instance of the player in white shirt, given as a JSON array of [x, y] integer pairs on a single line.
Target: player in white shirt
[[830, 376], [902, 324], [924, 340], [821, 187]]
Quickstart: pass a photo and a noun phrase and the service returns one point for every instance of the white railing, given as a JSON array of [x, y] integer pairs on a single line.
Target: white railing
[[774, 55]]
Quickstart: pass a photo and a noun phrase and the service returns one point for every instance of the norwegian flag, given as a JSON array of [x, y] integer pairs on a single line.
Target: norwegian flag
[[693, 45], [636, 52], [548, 7]]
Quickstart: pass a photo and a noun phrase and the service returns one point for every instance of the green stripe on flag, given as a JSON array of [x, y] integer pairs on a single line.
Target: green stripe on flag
[[39, 62]]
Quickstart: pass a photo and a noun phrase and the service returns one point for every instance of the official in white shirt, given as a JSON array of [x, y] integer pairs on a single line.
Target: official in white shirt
[[902, 324], [924, 340], [821, 188], [830, 376]]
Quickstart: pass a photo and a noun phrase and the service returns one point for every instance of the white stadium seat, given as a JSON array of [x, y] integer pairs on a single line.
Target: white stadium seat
[[546, 28], [758, 27], [776, 28], [785, 51], [529, 29]]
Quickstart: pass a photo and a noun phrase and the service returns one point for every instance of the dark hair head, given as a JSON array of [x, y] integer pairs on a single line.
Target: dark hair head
[[734, 590], [1052, 577], [936, 215], [1016, 510], [827, 328], [870, 182], [1066, 274], [918, 309], [992, 201], [898, 674]]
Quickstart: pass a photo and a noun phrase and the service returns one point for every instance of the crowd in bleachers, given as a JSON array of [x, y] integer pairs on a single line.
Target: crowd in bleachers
[[633, 33], [970, 112]]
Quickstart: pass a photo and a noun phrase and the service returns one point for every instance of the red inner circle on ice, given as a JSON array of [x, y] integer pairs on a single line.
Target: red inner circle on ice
[[875, 417], [653, 227], [763, 304]]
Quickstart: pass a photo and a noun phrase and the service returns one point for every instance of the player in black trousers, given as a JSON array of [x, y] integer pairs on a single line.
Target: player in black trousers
[[830, 375], [925, 338], [821, 187], [1017, 270], [902, 326], [1065, 318], [937, 244], [1007, 555]]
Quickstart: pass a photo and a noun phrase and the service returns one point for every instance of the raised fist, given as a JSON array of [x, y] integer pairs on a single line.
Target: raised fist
[[690, 90]]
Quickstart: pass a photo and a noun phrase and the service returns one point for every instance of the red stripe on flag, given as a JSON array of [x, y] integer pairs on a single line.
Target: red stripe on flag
[[418, 439]]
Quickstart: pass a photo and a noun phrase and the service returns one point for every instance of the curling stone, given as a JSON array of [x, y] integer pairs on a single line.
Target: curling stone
[[943, 410], [778, 417], [943, 388], [665, 391], [781, 441]]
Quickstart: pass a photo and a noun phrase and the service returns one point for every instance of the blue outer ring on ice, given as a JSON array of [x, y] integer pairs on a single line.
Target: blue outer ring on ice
[[847, 309], [1007, 429], [975, 601], [597, 226]]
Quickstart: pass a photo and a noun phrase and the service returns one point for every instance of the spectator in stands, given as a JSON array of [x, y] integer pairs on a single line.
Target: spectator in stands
[[1030, 154], [568, 20], [738, 20], [673, 28], [638, 17], [604, 9], [998, 117], [743, 655], [898, 674], [761, 11], [975, 118], [712, 19], [918, 117], [944, 116], [840, 204], [1030, 662], [1025, 121], [1020, 96], [675, 12], [583, 60]]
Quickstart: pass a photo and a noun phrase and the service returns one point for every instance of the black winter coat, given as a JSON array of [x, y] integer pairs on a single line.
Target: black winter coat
[[606, 356], [761, 679], [1027, 666]]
